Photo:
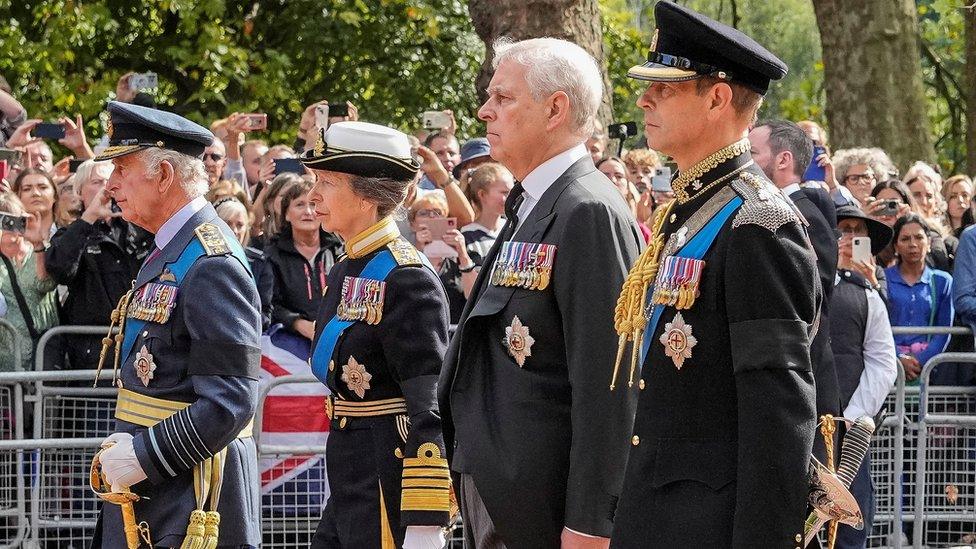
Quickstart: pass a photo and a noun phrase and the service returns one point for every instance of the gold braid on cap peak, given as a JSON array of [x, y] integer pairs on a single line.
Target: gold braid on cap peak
[[629, 319]]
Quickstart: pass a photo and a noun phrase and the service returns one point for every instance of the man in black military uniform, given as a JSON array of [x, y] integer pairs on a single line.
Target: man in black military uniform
[[539, 444], [188, 351], [720, 310]]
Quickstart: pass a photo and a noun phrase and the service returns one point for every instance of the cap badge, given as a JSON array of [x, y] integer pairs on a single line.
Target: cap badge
[[145, 366], [654, 41], [356, 377], [518, 341], [320, 144], [678, 341]]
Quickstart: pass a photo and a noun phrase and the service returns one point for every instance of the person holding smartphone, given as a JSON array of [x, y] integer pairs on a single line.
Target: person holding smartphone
[[436, 235], [24, 282]]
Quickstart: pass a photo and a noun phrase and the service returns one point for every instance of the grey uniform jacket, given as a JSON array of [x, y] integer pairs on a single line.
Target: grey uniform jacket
[[206, 354]]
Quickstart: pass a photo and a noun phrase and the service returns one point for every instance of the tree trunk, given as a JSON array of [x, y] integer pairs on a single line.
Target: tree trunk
[[873, 77], [575, 20], [970, 86]]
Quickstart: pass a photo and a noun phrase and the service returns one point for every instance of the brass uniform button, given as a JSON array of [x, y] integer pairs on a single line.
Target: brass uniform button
[[342, 423], [674, 217], [640, 384], [798, 538], [635, 441], [331, 365], [398, 453]]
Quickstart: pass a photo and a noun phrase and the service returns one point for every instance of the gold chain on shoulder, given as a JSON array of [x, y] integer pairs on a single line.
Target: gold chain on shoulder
[[710, 162]]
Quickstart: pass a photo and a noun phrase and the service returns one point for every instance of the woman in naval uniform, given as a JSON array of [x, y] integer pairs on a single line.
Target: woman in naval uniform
[[380, 337]]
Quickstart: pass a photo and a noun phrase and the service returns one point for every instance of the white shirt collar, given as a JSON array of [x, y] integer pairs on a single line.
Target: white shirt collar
[[175, 223], [544, 175], [790, 189]]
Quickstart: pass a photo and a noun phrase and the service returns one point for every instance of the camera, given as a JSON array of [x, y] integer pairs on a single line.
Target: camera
[[622, 130], [13, 223], [256, 121]]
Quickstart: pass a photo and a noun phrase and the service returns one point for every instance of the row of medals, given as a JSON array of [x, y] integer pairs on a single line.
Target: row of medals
[[530, 278]]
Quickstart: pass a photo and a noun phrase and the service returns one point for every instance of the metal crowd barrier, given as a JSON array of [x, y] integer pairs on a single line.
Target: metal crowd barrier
[[44, 501]]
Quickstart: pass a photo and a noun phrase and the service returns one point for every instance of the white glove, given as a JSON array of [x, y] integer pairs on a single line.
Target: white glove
[[424, 537], [119, 463]]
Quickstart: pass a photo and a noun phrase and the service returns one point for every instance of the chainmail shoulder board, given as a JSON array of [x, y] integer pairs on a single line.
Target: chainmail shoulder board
[[763, 204]]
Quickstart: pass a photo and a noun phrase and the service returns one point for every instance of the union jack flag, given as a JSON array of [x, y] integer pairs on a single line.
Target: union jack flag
[[294, 414]]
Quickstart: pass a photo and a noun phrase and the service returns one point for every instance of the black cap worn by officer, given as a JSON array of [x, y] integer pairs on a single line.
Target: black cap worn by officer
[[132, 128], [726, 414], [187, 360], [688, 45]]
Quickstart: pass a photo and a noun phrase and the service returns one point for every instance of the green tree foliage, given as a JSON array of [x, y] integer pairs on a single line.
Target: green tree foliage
[[392, 58], [941, 26]]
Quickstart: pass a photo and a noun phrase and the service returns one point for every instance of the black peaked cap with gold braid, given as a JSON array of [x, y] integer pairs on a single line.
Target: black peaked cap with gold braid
[[132, 128]]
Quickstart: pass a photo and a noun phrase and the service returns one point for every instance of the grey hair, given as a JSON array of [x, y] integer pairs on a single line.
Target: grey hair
[[85, 171], [553, 65], [189, 170], [877, 159], [388, 194]]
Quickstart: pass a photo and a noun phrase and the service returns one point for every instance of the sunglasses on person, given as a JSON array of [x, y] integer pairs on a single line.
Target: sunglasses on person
[[216, 157]]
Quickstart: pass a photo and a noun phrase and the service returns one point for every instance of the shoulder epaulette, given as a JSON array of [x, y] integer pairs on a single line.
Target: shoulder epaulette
[[404, 252], [212, 239], [762, 205]]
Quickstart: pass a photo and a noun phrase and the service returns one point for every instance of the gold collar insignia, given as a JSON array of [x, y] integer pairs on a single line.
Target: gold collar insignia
[[692, 176]]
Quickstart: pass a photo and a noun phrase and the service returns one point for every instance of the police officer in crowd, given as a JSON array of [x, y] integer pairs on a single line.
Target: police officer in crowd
[[188, 351], [720, 309], [379, 341], [96, 257], [539, 444]]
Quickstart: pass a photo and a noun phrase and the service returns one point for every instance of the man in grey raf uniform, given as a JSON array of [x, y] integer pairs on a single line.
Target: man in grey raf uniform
[[188, 351], [721, 309]]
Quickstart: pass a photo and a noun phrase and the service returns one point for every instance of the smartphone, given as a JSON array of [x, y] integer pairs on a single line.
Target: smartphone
[[436, 120], [439, 226], [74, 163], [815, 172], [143, 81], [622, 130], [861, 249], [49, 130], [288, 165], [257, 121], [13, 223], [338, 108], [10, 155], [661, 180], [322, 117], [890, 208]]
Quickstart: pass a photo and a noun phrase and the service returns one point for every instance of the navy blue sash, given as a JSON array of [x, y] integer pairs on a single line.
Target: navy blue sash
[[378, 268], [193, 251], [696, 248]]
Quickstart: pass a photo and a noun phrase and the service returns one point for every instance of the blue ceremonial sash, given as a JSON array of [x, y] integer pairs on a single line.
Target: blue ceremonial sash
[[193, 251], [696, 248], [378, 268]]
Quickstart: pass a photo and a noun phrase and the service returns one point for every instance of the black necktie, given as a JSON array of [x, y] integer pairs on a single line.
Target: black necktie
[[512, 203]]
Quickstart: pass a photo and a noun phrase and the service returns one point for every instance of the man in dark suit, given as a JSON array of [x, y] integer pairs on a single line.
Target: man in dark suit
[[783, 151], [721, 309], [538, 443]]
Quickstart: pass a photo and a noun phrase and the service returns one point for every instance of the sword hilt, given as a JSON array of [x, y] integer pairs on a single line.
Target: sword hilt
[[857, 441]]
